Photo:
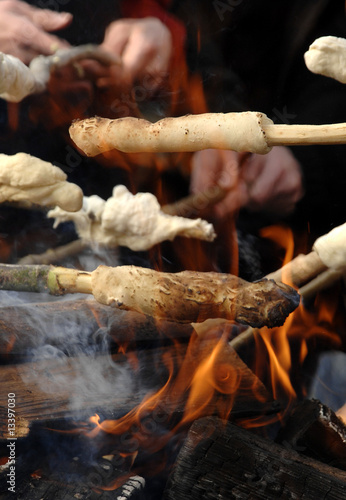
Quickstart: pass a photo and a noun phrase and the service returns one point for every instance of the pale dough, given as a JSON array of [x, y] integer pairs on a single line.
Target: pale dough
[[16, 79], [331, 248], [236, 131], [26, 178], [134, 221], [327, 56]]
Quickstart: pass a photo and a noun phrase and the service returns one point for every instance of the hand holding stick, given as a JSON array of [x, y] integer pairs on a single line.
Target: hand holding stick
[[17, 80]]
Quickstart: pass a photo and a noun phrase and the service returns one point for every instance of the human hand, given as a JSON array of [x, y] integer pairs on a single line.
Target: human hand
[[274, 181], [269, 183], [24, 30], [144, 46]]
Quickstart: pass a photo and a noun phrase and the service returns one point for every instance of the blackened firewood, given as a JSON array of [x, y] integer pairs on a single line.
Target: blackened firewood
[[316, 431], [220, 460], [81, 487]]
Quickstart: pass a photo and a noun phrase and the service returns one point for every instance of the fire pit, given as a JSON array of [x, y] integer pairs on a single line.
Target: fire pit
[[109, 403], [155, 371]]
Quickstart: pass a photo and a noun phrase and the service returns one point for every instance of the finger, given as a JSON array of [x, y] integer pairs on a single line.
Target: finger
[[205, 168], [252, 167], [25, 54], [229, 172], [136, 57], [116, 37], [266, 187], [236, 199], [143, 55], [47, 19], [44, 43], [52, 21], [92, 70]]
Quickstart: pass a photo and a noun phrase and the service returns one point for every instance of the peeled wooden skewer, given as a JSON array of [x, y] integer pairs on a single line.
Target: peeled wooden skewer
[[181, 297], [250, 131]]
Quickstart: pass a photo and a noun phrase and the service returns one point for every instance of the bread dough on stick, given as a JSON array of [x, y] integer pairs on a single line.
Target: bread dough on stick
[[235, 131], [135, 221], [26, 178], [191, 296], [327, 56], [331, 248]]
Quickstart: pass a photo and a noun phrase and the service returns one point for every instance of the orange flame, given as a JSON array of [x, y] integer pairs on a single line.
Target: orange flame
[[302, 326], [341, 413], [203, 378]]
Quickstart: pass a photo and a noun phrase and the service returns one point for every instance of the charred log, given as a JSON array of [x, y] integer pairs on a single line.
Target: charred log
[[220, 460], [70, 387], [316, 431]]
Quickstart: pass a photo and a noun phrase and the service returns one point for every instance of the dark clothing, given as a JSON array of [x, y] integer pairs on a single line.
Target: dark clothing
[[251, 58]]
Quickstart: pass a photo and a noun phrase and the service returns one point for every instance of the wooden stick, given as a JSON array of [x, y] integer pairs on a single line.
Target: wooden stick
[[324, 280], [300, 270], [195, 203], [182, 297], [291, 135], [54, 255], [41, 278]]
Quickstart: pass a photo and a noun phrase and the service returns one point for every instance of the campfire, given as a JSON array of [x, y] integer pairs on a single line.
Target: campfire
[[132, 381]]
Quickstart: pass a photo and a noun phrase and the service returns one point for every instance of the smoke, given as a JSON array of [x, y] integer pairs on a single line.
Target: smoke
[[328, 385]]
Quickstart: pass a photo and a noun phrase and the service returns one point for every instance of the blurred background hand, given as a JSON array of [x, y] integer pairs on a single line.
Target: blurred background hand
[[25, 30], [270, 183], [144, 47]]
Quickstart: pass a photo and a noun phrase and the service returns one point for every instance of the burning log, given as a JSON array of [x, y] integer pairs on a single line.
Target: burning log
[[250, 132], [68, 387], [220, 460], [37, 488], [182, 297], [316, 431]]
